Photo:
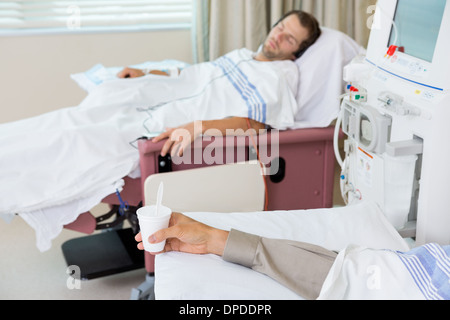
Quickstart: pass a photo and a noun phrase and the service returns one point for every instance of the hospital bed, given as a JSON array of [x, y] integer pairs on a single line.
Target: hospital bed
[[306, 160]]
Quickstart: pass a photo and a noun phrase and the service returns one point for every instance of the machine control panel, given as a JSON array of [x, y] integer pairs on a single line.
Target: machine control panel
[[409, 66]]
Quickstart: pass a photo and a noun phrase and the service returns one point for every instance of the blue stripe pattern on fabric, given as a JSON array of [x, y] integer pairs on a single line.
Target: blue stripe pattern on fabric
[[429, 266], [257, 107]]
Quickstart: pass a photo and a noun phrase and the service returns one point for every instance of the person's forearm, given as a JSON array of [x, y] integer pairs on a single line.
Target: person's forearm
[[158, 73], [217, 241], [171, 72], [234, 123], [299, 266], [180, 138]]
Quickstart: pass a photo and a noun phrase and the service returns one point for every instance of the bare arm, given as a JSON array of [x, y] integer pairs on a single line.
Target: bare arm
[[232, 123], [180, 138], [136, 73]]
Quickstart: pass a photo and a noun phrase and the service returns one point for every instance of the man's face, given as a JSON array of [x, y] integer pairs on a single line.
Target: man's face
[[284, 39]]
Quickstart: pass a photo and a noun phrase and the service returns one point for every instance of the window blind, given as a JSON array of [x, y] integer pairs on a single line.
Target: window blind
[[79, 14]]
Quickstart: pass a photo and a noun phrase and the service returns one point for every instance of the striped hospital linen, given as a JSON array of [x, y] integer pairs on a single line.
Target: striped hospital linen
[[429, 266], [257, 106]]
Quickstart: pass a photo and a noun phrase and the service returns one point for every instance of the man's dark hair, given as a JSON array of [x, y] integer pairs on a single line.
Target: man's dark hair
[[310, 23]]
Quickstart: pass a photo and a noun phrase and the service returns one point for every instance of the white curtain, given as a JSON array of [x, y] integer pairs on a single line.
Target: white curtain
[[224, 25]]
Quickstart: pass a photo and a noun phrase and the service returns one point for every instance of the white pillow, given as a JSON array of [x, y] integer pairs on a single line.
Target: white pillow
[[321, 78]]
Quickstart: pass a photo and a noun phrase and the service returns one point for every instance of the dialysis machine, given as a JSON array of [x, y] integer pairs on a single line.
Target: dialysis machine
[[396, 114]]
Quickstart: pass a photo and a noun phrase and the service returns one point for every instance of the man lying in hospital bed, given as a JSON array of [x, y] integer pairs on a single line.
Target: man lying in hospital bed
[[61, 164], [382, 267]]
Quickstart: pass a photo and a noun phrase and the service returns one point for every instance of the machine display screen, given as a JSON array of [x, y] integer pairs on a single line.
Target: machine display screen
[[418, 23]]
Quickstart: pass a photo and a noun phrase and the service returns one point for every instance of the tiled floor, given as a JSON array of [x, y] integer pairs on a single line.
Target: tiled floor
[[26, 273]]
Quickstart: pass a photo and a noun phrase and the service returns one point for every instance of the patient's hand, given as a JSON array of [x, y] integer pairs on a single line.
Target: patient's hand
[[179, 138], [130, 73], [187, 235]]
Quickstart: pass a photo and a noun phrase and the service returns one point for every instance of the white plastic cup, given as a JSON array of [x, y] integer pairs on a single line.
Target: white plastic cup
[[150, 223]]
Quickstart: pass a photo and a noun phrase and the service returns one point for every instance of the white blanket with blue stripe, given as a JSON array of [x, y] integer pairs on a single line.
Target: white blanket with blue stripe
[[361, 273]]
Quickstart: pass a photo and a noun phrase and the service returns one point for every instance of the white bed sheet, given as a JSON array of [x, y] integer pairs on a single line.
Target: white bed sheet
[[182, 276]]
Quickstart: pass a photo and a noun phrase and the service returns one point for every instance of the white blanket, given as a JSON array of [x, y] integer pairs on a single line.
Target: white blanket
[[73, 157]]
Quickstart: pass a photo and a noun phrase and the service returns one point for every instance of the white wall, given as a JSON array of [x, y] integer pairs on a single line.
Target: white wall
[[35, 70]]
